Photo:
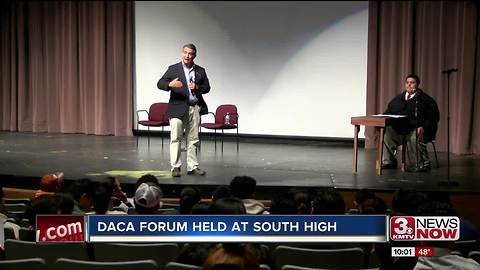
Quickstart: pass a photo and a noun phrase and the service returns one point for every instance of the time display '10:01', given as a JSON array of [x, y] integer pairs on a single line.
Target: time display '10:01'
[[412, 252]]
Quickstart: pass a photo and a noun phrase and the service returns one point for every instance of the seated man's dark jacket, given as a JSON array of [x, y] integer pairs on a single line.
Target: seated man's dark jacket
[[427, 114], [178, 103]]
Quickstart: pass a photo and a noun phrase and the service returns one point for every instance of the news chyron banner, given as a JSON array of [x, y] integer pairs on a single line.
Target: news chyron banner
[[239, 228], [245, 228], [424, 228]]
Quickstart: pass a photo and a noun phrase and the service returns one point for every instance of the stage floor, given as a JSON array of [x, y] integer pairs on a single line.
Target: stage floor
[[272, 163]]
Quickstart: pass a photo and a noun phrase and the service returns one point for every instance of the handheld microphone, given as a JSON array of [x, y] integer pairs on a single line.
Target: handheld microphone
[[416, 104], [450, 70]]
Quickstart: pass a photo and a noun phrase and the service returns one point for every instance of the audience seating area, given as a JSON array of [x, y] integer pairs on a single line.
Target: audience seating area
[[26, 254], [161, 256], [29, 255], [71, 264], [160, 253], [28, 263], [323, 258]]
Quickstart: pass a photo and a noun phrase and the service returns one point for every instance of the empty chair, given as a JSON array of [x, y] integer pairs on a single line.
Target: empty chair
[[24, 222], [435, 152], [17, 200], [181, 266], [30, 264], [161, 253], [170, 205], [17, 249], [474, 255], [157, 117], [458, 253], [12, 220], [15, 208], [226, 117], [373, 260], [70, 264], [347, 258], [166, 210], [264, 267], [464, 246], [9, 233], [25, 234], [404, 151]]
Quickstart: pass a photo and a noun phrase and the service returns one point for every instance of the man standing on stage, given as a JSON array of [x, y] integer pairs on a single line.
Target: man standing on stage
[[186, 82], [418, 128]]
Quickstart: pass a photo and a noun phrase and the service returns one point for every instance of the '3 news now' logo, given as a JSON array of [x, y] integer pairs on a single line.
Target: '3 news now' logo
[[408, 228]]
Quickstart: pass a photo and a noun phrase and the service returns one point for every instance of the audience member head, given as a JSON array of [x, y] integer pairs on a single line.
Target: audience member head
[[373, 206], [48, 205], [328, 202], [406, 201], [221, 192], [303, 201], [231, 256], [189, 196], [438, 196], [147, 198], [200, 208], [117, 188], [65, 203], [362, 195], [243, 187], [50, 184], [283, 204], [113, 182], [102, 197], [436, 208], [194, 253], [147, 178], [227, 206], [82, 192]]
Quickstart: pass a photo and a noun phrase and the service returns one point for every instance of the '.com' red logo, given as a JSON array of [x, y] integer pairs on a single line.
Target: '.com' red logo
[[60, 228]]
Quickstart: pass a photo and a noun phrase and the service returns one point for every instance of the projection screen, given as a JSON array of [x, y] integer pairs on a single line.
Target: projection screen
[[292, 68]]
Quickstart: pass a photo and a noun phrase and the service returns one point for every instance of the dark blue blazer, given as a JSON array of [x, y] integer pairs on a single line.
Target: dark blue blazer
[[178, 103]]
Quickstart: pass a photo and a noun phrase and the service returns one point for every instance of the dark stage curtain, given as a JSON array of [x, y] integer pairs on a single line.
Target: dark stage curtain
[[67, 67], [426, 37]]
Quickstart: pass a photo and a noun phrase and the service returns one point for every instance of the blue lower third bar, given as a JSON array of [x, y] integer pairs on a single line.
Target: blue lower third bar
[[237, 228]]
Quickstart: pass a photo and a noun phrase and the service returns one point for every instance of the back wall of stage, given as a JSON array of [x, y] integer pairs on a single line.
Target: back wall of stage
[[292, 68]]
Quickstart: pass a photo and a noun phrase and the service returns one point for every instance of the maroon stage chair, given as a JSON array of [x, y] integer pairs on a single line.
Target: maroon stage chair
[[222, 121], [157, 117]]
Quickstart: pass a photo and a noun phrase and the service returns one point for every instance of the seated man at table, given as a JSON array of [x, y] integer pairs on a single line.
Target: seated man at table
[[416, 129]]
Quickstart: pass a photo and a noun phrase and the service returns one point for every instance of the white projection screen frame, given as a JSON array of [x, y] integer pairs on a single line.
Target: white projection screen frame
[[292, 68]]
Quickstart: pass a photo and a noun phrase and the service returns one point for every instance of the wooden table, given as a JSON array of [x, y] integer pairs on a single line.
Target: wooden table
[[380, 123]]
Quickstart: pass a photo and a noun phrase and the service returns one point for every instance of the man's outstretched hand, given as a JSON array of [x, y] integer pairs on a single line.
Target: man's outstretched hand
[[176, 83]]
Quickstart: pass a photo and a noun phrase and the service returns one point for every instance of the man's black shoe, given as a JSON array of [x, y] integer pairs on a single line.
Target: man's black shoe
[[176, 172], [424, 168], [389, 165], [419, 169], [197, 171]]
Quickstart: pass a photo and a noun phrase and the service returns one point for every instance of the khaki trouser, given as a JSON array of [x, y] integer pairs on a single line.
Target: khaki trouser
[[188, 124], [393, 139]]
